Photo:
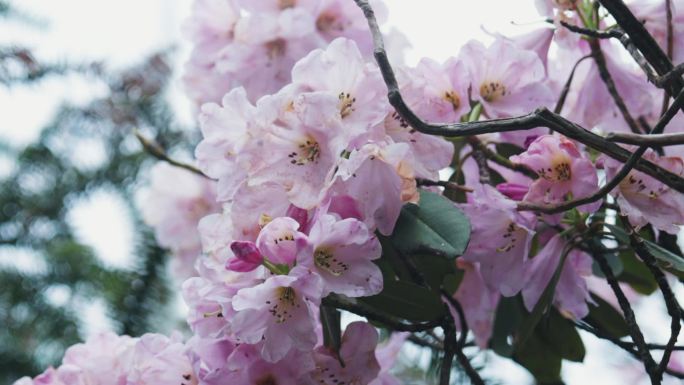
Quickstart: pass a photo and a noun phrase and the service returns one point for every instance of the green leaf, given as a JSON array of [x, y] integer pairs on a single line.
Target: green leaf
[[510, 312], [408, 301], [606, 318], [434, 269], [636, 274], [435, 226], [541, 361], [562, 337], [667, 258]]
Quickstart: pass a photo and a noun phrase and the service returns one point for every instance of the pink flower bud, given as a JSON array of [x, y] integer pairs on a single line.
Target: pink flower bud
[[512, 190], [247, 257]]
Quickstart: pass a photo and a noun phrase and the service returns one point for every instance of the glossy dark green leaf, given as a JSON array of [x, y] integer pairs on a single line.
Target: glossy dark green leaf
[[606, 318], [540, 360], [408, 301], [561, 336], [509, 314], [434, 268], [434, 226]]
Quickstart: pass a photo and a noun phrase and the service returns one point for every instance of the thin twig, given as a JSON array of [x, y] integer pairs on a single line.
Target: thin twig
[[158, 152], [450, 349], [475, 142], [371, 313], [628, 347], [480, 160], [446, 184], [593, 33], [670, 47], [604, 73], [647, 140], [673, 308], [566, 88]]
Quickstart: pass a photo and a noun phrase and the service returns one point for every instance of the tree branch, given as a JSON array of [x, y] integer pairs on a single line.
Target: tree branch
[[158, 152], [637, 336], [371, 313], [658, 140]]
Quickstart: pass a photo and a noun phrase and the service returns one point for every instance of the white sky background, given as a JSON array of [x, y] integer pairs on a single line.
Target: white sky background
[[123, 32]]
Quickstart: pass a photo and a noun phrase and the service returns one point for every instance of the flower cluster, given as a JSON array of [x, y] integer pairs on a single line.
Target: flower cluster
[[110, 359], [254, 44]]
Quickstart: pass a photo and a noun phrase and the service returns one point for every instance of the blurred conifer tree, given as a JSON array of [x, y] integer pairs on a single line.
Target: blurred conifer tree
[[46, 180]]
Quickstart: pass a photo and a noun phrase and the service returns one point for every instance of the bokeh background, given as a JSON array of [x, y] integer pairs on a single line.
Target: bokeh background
[[77, 77]]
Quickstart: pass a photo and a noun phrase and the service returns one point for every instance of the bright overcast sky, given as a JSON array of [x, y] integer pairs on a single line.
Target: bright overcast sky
[[122, 32]]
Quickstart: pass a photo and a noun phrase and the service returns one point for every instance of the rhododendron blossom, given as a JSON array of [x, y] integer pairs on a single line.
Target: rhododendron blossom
[[564, 172]]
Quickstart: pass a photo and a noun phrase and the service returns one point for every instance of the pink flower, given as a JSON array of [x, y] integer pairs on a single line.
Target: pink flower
[[645, 200], [246, 366], [438, 92], [341, 251], [506, 79], [514, 191], [278, 311], [210, 27], [357, 352], [279, 241], [103, 359], [386, 354], [160, 360], [254, 206], [571, 293], [500, 240], [478, 302], [173, 206], [208, 357], [228, 130], [564, 173], [370, 176], [340, 91]]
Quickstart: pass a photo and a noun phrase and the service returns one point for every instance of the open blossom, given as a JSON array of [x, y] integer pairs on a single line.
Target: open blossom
[[647, 201], [255, 44], [107, 359], [478, 302], [505, 78], [340, 91], [357, 352], [341, 252], [370, 176], [500, 240], [246, 366], [387, 354], [564, 173], [279, 311], [438, 92], [571, 293], [173, 206]]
